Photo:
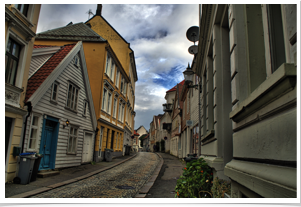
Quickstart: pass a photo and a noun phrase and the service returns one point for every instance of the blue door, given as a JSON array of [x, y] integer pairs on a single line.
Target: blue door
[[48, 144]]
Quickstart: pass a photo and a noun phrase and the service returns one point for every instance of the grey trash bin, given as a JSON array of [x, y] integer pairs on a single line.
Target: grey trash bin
[[27, 161], [108, 155]]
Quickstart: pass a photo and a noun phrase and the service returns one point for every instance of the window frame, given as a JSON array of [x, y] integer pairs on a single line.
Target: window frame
[[74, 137], [57, 92], [115, 108], [109, 103], [76, 98], [85, 107], [37, 128], [10, 58], [117, 77]]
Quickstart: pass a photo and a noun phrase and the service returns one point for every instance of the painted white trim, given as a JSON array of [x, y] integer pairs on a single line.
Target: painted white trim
[[44, 51], [88, 87]]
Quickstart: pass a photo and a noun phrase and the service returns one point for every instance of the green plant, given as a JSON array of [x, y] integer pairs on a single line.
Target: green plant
[[93, 163], [196, 180], [220, 187]]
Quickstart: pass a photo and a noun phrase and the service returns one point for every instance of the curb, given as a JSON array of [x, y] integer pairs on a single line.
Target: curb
[[50, 187], [150, 182]]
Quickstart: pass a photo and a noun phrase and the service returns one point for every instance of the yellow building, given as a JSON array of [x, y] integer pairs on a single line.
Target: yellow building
[[124, 55], [20, 27], [112, 84]]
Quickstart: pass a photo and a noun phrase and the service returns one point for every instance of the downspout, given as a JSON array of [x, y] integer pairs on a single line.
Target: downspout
[[29, 109], [94, 156]]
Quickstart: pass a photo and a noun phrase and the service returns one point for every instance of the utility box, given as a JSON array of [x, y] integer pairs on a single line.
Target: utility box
[[16, 151], [26, 167]]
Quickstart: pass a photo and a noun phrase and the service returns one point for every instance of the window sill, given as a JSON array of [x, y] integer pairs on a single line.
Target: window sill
[[70, 110], [53, 102], [209, 135], [280, 82]]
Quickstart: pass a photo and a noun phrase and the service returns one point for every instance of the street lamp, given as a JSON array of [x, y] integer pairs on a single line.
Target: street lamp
[[188, 76]]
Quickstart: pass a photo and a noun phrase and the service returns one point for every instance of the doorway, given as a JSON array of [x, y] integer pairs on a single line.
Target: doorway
[[87, 152]]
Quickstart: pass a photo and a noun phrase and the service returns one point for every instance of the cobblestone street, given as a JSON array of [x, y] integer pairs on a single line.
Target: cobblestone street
[[122, 181]]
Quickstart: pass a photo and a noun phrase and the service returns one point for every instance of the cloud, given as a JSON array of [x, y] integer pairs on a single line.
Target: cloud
[[156, 33]]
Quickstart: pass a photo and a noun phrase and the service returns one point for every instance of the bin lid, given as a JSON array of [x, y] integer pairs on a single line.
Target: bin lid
[[27, 153]]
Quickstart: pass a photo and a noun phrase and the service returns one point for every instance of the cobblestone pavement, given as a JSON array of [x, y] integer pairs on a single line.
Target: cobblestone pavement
[[122, 181]]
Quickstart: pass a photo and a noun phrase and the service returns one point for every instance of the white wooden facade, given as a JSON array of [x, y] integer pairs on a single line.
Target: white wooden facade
[[82, 120]]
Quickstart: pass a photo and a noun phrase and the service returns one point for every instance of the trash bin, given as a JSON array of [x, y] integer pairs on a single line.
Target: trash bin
[[27, 161], [108, 155], [36, 167]]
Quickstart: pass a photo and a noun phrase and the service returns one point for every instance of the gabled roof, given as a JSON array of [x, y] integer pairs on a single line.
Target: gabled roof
[[35, 81], [43, 78], [78, 31]]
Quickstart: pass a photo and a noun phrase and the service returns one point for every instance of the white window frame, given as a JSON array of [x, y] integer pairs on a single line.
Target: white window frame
[[114, 107], [122, 116], [85, 107], [117, 78], [104, 97], [75, 137], [37, 127], [112, 72], [75, 100], [52, 90], [119, 113], [109, 103], [76, 61]]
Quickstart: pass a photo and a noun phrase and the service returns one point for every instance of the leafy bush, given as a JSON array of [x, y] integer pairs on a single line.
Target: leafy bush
[[220, 187], [196, 180]]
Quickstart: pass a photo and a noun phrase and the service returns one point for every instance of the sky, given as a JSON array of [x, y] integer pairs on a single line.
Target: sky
[[157, 35]]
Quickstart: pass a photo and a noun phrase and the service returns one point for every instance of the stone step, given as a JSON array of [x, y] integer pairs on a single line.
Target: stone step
[[45, 174]]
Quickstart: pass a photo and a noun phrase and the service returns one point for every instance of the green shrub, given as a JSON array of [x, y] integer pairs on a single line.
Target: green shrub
[[220, 187], [196, 180]]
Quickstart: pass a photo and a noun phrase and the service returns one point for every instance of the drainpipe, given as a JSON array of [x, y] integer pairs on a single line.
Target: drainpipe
[[96, 131], [29, 109]]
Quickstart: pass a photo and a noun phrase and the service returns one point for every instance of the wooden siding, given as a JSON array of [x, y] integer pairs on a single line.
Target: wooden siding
[[37, 62], [45, 107]]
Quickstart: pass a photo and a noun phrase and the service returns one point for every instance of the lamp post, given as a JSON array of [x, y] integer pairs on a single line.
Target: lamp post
[[188, 76]]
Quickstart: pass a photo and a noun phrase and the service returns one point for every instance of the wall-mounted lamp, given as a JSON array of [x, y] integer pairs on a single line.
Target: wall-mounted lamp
[[188, 76], [66, 123]]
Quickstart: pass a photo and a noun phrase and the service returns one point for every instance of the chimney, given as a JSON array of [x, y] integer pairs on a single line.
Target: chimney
[[98, 10]]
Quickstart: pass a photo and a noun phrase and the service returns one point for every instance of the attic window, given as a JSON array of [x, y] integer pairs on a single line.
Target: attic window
[[76, 61]]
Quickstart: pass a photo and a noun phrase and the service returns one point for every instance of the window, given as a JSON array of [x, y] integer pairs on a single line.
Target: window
[[11, 61], [117, 78], [72, 142], [32, 142], [72, 97], [54, 91], [76, 61], [112, 71], [122, 116], [119, 113], [276, 38], [124, 89], [100, 140], [85, 108], [109, 103], [104, 98], [122, 84], [23, 8], [108, 64], [114, 107]]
